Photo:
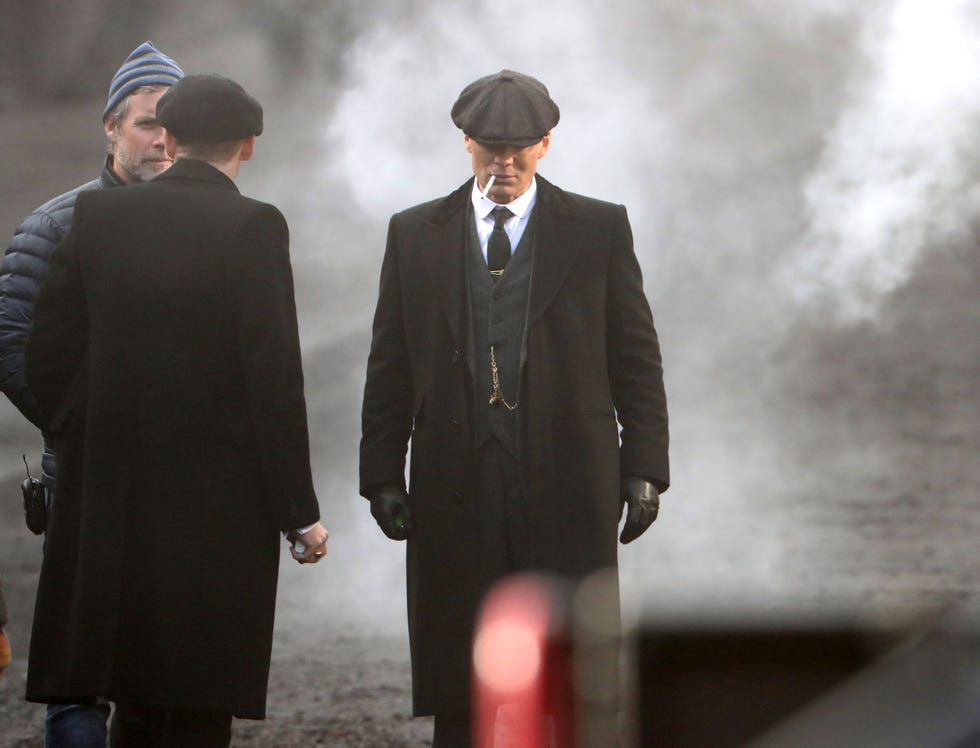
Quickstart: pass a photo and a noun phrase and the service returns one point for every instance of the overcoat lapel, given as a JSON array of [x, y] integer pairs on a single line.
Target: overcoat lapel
[[441, 240], [556, 246]]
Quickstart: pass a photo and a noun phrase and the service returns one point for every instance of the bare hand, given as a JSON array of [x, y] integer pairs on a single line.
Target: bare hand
[[313, 543]]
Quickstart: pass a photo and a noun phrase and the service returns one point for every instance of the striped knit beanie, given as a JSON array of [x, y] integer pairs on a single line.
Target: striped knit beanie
[[145, 66]]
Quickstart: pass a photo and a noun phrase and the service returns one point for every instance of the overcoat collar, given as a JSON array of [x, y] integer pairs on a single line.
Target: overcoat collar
[[442, 242], [198, 171]]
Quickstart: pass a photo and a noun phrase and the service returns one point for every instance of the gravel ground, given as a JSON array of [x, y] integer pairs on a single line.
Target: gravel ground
[[332, 682]]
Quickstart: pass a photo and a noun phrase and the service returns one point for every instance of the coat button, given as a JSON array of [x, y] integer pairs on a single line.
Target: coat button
[[458, 495], [455, 357], [456, 426]]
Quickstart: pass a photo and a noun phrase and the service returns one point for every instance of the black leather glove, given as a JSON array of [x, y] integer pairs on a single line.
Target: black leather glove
[[389, 506], [642, 505]]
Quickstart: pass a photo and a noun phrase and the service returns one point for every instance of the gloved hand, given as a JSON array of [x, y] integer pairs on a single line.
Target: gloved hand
[[642, 501], [389, 506]]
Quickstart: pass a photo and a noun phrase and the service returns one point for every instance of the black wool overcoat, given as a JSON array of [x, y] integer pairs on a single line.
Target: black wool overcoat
[[165, 356], [590, 357]]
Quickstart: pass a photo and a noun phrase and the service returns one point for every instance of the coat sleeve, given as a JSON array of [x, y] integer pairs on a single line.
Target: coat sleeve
[[386, 415], [272, 367], [634, 363], [25, 265], [58, 336]]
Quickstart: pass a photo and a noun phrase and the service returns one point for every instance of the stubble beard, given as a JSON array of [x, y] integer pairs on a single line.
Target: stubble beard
[[139, 166]]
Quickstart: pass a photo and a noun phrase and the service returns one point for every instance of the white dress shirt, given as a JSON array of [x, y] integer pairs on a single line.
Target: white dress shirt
[[514, 226]]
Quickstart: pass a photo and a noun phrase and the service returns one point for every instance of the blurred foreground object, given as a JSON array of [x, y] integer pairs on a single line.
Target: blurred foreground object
[[806, 684], [925, 694], [546, 663]]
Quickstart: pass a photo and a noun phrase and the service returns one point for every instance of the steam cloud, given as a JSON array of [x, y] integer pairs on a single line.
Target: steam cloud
[[780, 162], [823, 146], [899, 171]]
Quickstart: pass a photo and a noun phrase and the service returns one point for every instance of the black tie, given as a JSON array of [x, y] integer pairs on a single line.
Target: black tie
[[498, 248]]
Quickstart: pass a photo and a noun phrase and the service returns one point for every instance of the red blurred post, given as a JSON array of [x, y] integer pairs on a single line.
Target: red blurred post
[[521, 660]]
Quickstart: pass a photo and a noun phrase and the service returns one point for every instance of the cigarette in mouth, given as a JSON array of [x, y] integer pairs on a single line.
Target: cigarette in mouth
[[486, 190]]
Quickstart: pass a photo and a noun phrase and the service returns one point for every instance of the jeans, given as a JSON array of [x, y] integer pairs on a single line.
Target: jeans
[[76, 725]]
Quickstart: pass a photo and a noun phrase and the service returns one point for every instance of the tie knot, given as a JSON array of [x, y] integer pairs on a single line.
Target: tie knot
[[500, 216]]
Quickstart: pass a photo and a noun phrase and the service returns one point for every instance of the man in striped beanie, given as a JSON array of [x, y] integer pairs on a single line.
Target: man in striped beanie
[[129, 117], [136, 154]]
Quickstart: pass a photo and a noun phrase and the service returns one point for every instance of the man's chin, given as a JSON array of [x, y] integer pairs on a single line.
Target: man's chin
[[151, 169]]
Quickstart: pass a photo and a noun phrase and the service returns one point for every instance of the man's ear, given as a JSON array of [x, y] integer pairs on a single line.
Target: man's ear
[[248, 148], [170, 144], [545, 143], [110, 129]]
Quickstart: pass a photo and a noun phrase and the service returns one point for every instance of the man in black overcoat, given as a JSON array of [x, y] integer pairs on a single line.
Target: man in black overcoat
[[165, 357], [136, 154], [507, 345]]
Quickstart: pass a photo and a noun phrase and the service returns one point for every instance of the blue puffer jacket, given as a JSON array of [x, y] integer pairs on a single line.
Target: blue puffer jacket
[[24, 268]]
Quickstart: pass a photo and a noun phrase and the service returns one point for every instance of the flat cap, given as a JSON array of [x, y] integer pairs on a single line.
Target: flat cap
[[506, 108], [209, 109]]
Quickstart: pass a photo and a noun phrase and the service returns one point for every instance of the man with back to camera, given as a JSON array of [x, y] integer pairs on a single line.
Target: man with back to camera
[[511, 333], [136, 154], [165, 359]]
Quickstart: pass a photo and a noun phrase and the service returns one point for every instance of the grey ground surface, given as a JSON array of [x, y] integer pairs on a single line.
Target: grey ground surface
[[332, 682]]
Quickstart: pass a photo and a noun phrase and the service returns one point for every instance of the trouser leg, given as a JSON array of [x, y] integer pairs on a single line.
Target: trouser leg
[[197, 728], [452, 731], [158, 727], [137, 726]]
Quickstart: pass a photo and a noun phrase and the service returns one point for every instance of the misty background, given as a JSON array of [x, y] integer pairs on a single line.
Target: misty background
[[802, 181]]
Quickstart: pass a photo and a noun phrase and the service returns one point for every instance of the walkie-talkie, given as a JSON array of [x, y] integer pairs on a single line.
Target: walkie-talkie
[[35, 502]]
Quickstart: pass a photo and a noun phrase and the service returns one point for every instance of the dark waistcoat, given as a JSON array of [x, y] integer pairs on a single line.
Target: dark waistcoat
[[498, 315]]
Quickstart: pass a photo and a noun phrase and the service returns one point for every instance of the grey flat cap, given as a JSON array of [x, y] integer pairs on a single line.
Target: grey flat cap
[[506, 108], [209, 109]]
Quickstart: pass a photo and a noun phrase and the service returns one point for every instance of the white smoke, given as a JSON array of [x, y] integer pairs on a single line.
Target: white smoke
[[696, 115], [777, 160], [391, 132], [899, 171]]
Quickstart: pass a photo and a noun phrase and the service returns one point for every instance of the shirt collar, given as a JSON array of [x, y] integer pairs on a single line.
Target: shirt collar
[[520, 207]]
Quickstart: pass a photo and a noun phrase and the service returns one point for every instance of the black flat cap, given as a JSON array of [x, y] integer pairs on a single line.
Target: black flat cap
[[209, 109], [506, 108]]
